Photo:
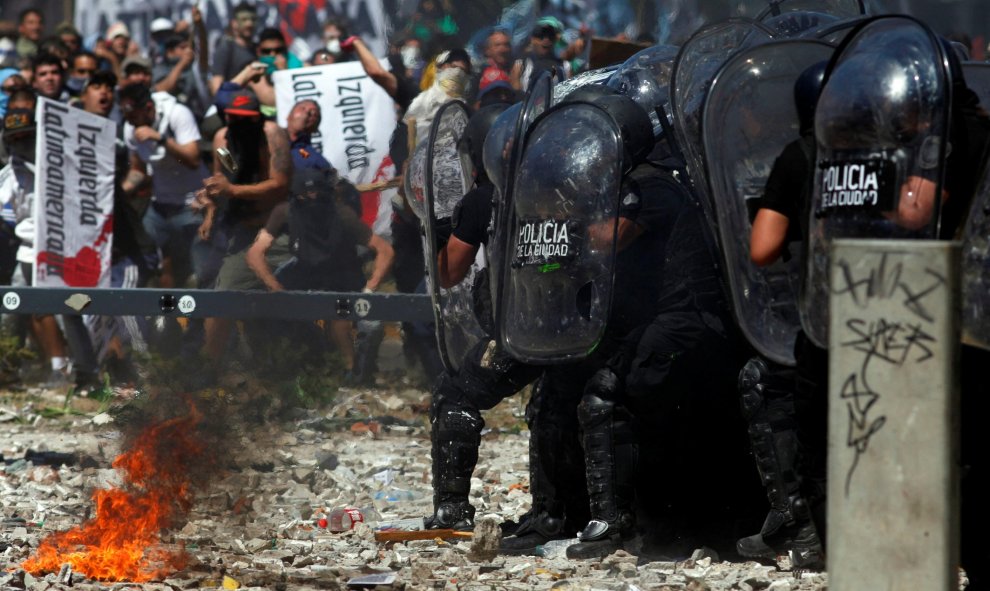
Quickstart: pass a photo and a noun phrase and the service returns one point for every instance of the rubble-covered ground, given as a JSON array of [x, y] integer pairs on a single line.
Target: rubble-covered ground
[[257, 526]]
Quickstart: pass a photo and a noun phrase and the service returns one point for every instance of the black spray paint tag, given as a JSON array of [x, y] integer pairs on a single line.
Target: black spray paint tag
[[865, 185], [545, 242]]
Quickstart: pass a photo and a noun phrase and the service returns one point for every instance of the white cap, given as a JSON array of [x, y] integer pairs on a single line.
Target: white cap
[[160, 25]]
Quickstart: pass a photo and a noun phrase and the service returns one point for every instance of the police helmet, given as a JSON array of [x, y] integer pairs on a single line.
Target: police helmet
[[645, 78], [635, 125], [498, 142], [807, 88], [633, 121], [473, 141]]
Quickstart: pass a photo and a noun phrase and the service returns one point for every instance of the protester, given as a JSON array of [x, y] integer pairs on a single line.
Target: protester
[[116, 47], [20, 134], [324, 235], [243, 199], [135, 69], [498, 61], [70, 37], [235, 50], [30, 27], [48, 78], [539, 57], [82, 66], [163, 139]]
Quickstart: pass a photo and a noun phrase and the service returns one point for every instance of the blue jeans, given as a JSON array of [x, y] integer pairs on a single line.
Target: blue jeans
[[173, 229]]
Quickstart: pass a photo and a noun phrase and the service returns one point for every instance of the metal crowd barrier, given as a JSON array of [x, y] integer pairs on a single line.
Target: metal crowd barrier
[[200, 303]]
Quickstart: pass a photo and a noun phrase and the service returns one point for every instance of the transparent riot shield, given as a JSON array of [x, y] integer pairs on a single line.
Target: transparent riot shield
[[749, 120], [795, 24], [414, 181], [598, 76], [646, 78], [834, 8], [881, 128], [561, 229], [976, 268], [536, 103], [449, 175], [976, 235], [697, 63]]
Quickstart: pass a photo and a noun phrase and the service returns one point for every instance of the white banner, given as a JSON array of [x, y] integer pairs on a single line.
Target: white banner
[[358, 120], [73, 205]]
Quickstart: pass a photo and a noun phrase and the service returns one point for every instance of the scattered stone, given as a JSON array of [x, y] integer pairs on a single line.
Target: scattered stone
[[486, 540]]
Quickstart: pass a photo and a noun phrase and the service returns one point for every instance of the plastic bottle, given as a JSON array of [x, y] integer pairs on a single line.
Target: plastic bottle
[[344, 519], [341, 520]]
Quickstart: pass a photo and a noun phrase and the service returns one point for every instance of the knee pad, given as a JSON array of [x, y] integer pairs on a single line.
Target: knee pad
[[751, 387], [594, 411], [604, 385]]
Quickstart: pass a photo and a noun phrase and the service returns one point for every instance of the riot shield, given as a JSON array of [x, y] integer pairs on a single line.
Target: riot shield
[[834, 8], [795, 24], [414, 181], [749, 119], [976, 235], [598, 76], [976, 268], [561, 227], [881, 128], [695, 67], [835, 32], [449, 175], [537, 101]]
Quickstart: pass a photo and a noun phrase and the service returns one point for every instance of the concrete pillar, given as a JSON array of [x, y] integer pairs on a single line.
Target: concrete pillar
[[893, 482]]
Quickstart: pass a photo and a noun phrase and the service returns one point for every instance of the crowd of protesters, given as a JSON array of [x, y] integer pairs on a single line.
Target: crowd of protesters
[[182, 220]]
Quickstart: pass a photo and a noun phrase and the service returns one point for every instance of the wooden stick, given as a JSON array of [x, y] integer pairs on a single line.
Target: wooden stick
[[423, 534], [380, 185]]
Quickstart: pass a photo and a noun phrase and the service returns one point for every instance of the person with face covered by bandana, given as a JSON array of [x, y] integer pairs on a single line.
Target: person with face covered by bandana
[[244, 196], [163, 139], [81, 67], [453, 72]]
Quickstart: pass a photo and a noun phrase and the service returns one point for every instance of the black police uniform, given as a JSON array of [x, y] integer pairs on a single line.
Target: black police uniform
[[669, 304], [488, 376]]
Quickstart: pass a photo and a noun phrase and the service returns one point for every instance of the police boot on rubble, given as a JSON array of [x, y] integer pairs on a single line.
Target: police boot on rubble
[[768, 406], [556, 475], [456, 433], [610, 453]]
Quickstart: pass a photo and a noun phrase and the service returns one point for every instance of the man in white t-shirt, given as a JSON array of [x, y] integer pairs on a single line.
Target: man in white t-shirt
[[163, 140]]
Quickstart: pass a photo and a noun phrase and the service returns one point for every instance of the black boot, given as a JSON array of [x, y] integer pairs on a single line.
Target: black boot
[[456, 437], [556, 471], [610, 459], [534, 530], [767, 401]]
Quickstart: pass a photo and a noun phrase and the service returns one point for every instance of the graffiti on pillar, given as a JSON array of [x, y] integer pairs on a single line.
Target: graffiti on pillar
[[895, 341]]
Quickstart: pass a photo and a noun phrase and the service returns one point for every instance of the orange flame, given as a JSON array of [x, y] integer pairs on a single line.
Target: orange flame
[[123, 541]]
